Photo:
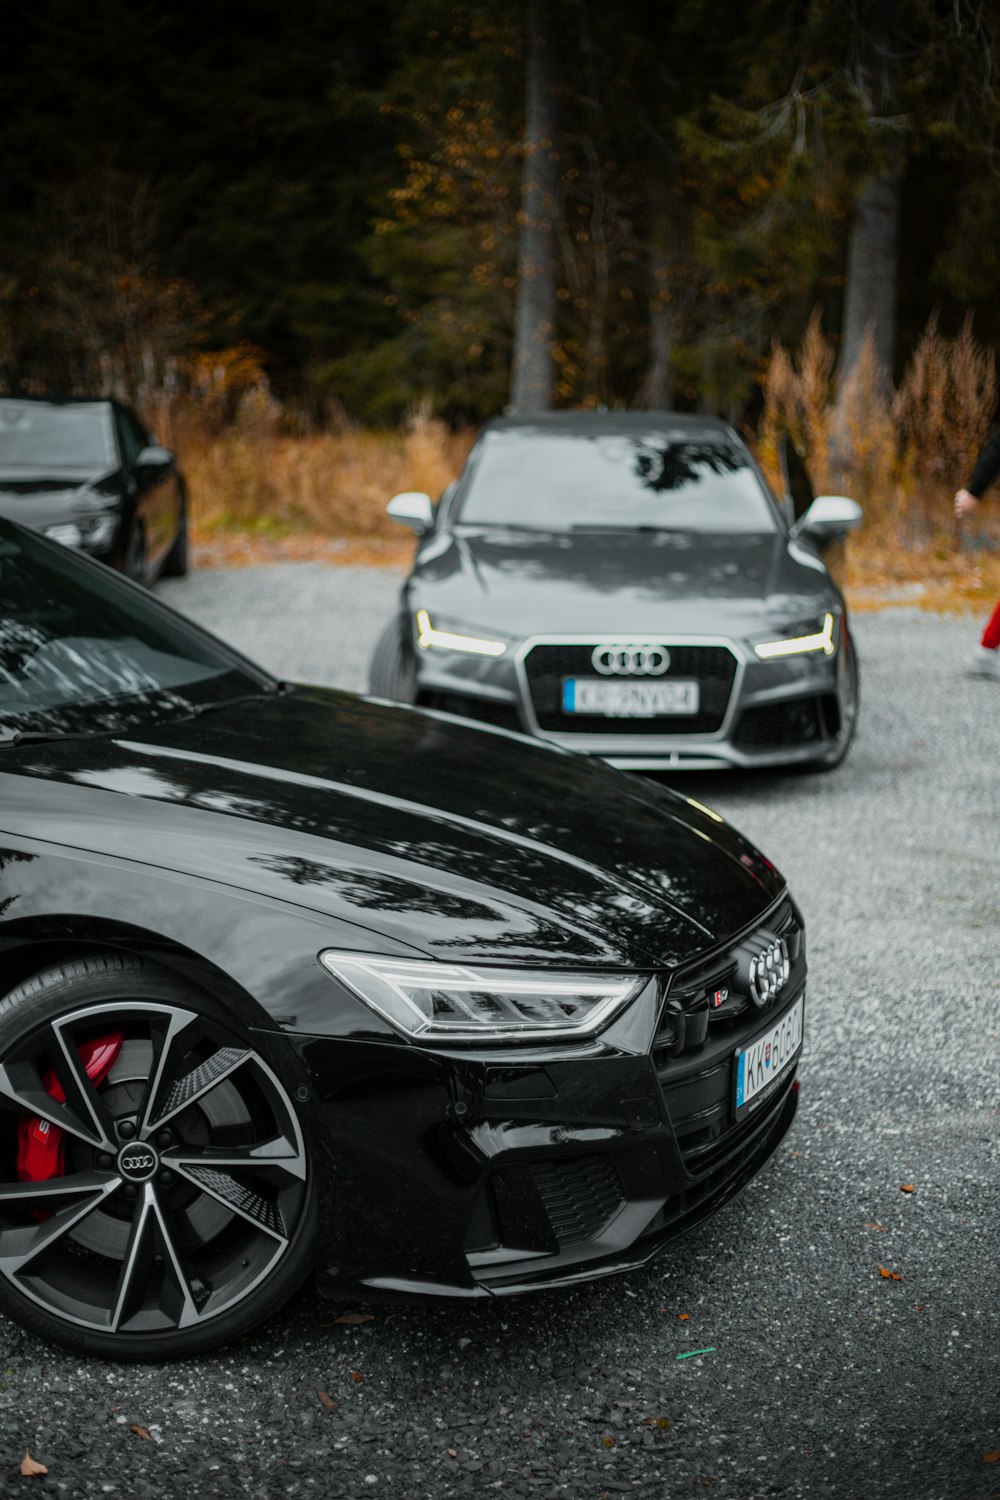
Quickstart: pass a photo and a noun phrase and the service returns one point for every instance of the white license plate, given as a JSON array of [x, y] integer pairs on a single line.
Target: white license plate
[[766, 1058], [628, 700]]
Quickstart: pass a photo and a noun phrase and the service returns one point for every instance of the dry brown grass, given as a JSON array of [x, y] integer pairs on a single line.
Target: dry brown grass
[[902, 454], [251, 477]]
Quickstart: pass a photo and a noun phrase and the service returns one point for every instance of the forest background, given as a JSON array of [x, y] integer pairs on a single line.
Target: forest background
[[318, 244]]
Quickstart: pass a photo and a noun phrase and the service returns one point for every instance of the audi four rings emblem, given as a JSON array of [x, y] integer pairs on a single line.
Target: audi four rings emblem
[[643, 660], [768, 972]]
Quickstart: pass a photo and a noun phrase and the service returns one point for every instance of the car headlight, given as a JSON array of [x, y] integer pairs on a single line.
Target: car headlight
[[447, 640], [457, 1003], [824, 639], [90, 532]]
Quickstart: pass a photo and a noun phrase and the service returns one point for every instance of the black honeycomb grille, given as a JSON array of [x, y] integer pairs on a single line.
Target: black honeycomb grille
[[580, 1196], [712, 667]]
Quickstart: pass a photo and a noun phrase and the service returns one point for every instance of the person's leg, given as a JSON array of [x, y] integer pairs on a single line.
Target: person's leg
[[986, 657], [991, 635]]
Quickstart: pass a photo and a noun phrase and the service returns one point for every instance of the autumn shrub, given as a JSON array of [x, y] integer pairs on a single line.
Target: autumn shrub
[[901, 454], [252, 474]]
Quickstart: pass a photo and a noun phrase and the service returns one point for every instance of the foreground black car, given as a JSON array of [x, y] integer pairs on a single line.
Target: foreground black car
[[626, 584], [292, 979], [89, 475]]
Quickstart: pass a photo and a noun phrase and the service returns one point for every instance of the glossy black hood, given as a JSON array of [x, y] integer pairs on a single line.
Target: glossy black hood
[[46, 496], [417, 830], [521, 582]]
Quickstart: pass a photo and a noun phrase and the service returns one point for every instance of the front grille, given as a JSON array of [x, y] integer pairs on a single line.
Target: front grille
[[744, 1152], [580, 1196], [786, 726], [695, 1044], [712, 667]]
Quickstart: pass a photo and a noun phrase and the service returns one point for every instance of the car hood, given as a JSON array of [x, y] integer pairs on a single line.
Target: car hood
[[40, 497], [405, 827], [530, 582]]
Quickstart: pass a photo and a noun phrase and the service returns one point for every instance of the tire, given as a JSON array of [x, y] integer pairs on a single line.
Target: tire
[[135, 562], [393, 673], [141, 1243], [176, 562], [850, 703]]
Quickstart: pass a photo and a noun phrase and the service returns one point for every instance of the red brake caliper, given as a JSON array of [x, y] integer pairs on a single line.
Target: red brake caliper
[[40, 1144]]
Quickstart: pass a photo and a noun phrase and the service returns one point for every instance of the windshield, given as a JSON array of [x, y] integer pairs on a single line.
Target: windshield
[[35, 435], [672, 481], [78, 649]]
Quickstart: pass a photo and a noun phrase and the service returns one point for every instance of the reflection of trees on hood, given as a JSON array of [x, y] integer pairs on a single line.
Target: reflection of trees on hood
[[11, 857]]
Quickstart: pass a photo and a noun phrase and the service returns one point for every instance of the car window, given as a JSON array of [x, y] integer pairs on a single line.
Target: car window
[[666, 481], [36, 434], [72, 637], [131, 435]]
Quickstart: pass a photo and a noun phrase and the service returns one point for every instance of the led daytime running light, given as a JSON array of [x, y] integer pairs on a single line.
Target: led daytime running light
[[454, 1002], [446, 641], [799, 644]]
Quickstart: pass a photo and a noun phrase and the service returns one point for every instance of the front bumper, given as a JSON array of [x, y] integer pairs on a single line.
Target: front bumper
[[492, 1173], [781, 712]]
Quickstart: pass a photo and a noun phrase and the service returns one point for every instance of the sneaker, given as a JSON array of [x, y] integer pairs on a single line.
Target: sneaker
[[984, 663]]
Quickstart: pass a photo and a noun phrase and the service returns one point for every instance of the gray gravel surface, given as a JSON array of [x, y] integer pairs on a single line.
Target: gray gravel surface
[[823, 1379]]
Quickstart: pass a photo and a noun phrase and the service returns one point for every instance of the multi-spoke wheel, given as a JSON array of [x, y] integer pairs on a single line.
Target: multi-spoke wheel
[[155, 1193]]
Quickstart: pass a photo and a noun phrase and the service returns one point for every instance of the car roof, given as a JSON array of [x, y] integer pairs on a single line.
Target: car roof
[[612, 423]]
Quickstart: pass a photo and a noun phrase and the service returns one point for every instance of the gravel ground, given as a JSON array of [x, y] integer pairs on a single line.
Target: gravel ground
[[822, 1377]]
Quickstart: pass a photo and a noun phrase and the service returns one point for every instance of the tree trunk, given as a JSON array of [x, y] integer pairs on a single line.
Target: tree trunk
[[657, 390], [872, 262], [533, 373], [873, 244]]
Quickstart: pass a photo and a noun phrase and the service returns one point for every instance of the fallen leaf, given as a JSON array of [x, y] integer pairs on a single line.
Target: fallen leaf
[[908, 1187], [663, 1424], [30, 1465], [608, 1442], [795, 1155], [354, 1319], [325, 1399], [357, 1376], [879, 1227], [993, 1457], [683, 1317], [889, 1275], [141, 1432], [452, 1452]]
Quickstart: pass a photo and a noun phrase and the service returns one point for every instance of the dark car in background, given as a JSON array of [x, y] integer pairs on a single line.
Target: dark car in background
[[627, 585], [88, 474], [292, 980]]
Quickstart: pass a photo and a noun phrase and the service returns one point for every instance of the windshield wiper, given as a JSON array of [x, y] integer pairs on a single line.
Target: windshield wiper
[[201, 709], [44, 736]]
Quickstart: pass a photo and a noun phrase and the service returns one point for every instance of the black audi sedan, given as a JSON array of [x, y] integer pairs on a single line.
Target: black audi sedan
[[294, 983], [88, 474], [626, 584]]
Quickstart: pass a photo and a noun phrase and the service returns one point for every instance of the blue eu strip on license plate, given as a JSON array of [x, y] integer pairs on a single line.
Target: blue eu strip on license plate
[[569, 695]]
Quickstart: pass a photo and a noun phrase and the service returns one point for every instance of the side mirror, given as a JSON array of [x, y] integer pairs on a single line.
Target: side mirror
[[829, 517], [414, 509], [154, 457]]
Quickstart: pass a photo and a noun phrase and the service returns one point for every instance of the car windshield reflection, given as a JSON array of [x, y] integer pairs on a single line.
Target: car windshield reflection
[[655, 481]]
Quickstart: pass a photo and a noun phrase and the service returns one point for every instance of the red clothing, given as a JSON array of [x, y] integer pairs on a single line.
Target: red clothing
[[991, 635], [986, 470]]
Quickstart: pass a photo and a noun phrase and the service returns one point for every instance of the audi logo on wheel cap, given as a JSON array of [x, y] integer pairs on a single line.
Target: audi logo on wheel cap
[[644, 659], [137, 1161]]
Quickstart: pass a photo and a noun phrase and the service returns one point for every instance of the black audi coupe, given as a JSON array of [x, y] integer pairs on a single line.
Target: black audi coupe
[[627, 585], [88, 474], [293, 982]]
